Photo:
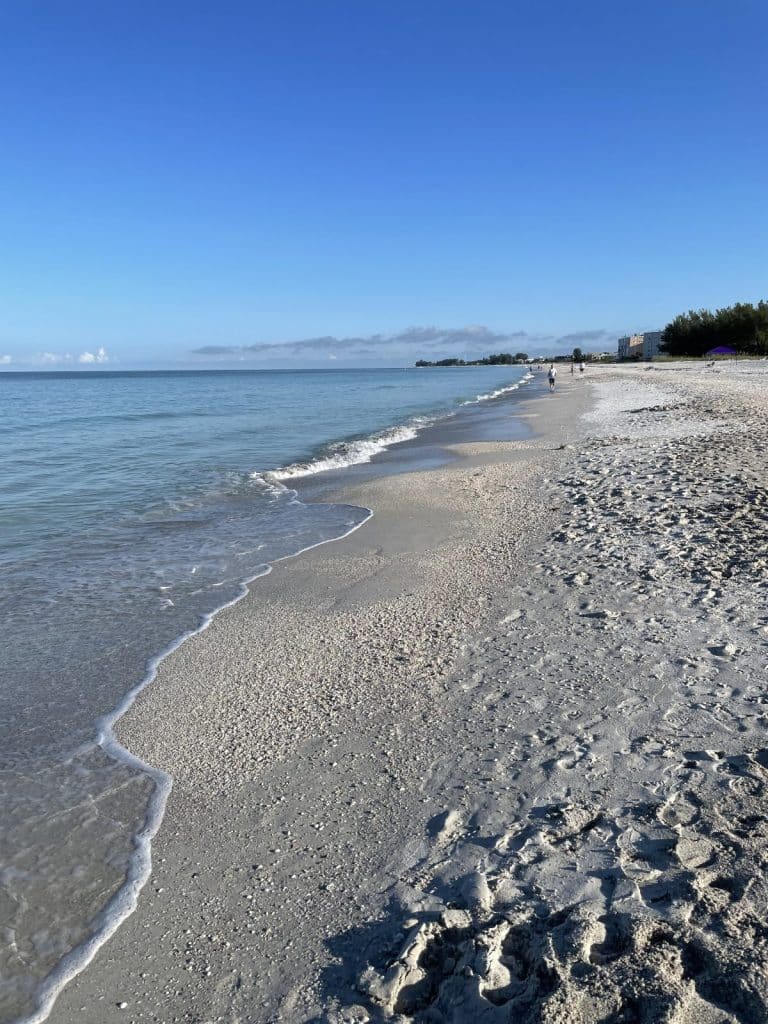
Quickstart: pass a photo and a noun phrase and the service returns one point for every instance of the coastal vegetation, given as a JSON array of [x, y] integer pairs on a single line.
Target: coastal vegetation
[[499, 359], [743, 326]]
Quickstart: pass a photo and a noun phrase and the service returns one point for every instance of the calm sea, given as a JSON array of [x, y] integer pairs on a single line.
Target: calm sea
[[132, 507]]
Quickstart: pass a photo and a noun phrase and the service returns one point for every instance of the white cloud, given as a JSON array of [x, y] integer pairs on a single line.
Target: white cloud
[[52, 358], [4, 360], [99, 356]]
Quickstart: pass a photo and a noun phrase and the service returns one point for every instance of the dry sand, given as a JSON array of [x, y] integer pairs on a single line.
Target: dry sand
[[499, 756]]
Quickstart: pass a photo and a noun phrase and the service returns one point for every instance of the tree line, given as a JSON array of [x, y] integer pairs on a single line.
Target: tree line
[[499, 359], [742, 326]]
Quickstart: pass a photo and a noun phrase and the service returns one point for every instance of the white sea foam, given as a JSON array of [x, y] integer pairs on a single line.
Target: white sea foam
[[351, 453], [269, 484], [492, 394]]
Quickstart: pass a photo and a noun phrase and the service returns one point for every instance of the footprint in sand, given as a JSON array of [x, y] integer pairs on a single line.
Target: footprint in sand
[[445, 828], [653, 939]]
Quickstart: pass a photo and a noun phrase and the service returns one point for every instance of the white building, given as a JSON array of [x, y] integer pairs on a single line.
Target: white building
[[640, 346]]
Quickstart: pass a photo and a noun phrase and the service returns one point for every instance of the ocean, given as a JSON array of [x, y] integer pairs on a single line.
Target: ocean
[[133, 506]]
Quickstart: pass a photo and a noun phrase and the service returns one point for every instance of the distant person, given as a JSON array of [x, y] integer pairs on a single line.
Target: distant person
[[571, 367], [552, 375], [581, 367]]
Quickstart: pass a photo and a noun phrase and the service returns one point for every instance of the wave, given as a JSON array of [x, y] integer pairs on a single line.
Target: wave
[[351, 453], [507, 389], [357, 451]]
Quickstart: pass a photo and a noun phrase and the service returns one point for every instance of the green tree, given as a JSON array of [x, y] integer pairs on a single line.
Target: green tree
[[578, 355], [742, 326]]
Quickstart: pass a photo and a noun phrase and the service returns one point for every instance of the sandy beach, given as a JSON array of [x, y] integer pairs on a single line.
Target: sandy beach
[[500, 755]]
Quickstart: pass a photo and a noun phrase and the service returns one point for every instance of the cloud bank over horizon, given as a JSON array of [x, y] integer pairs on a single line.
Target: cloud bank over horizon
[[402, 348], [57, 360], [471, 342]]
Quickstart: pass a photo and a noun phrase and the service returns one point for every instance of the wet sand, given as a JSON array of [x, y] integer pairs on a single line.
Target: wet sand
[[497, 756]]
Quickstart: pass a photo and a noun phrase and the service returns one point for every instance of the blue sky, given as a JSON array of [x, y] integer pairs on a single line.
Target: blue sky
[[336, 182]]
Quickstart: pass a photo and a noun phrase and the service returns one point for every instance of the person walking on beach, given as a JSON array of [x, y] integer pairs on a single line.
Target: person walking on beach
[[552, 375], [581, 367], [572, 365]]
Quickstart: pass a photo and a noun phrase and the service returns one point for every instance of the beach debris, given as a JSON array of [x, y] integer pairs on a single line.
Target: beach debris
[[724, 650], [513, 616], [578, 579]]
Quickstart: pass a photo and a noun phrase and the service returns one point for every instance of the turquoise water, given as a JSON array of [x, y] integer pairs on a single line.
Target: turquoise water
[[132, 506]]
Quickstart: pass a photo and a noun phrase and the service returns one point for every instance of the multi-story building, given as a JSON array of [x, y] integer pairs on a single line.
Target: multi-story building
[[651, 343], [640, 346], [631, 347]]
